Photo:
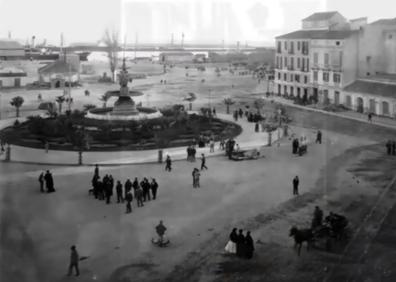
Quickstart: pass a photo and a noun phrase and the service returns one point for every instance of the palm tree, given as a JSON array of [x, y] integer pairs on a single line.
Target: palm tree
[[17, 103], [60, 100], [88, 107], [104, 98], [228, 102]]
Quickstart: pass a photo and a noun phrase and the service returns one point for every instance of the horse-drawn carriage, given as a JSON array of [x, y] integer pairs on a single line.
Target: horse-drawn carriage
[[334, 229], [253, 154]]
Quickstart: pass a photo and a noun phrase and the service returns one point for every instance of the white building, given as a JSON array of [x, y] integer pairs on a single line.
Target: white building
[[12, 77]]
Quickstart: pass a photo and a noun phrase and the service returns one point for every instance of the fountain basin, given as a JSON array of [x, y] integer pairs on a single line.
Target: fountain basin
[[143, 113]]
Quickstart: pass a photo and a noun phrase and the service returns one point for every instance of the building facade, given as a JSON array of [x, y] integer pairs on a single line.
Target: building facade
[[349, 63], [11, 50], [12, 77]]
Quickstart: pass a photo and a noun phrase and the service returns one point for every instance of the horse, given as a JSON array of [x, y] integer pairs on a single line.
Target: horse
[[301, 235]]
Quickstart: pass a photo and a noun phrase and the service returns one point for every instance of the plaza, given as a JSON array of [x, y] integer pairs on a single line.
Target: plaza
[[276, 133]]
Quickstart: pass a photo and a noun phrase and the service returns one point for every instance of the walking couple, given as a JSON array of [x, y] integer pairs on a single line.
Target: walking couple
[[242, 246]]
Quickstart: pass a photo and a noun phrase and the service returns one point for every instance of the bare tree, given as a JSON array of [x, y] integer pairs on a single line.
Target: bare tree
[[112, 43]]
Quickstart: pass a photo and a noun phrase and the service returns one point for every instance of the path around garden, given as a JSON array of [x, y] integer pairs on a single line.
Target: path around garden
[[247, 139]]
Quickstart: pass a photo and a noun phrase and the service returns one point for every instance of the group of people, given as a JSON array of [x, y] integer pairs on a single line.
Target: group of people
[[143, 190], [239, 244], [391, 147], [47, 179]]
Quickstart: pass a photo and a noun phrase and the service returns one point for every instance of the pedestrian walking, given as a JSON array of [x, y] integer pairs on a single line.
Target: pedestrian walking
[[128, 199], [203, 162], [319, 137], [154, 188], [128, 186], [41, 181], [168, 163], [120, 199], [370, 117], [74, 259], [296, 181]]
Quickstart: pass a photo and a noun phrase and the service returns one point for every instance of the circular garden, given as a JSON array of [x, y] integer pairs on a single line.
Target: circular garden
[[74, 132]]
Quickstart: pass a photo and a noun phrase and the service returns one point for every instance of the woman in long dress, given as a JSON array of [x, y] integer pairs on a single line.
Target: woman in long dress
[[231, 245]]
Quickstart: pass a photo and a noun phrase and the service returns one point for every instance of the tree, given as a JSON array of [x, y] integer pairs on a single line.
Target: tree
[[17, 103], [60, 100], [259, 104], [88, 107], [228, 102], [104, 98], [112, 43]]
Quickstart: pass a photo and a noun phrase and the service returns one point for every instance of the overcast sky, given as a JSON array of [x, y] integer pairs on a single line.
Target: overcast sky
[[201, 21]]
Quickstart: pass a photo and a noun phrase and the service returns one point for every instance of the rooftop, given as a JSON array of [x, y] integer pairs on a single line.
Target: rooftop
[[12, 72], [385, 22], [57, 67], [317, 34], [322, 16], [373, 87]]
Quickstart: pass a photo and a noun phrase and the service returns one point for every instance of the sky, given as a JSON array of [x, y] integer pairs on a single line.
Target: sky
[[255, 22]]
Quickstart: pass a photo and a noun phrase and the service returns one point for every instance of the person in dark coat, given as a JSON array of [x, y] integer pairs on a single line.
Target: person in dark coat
[[154, 188], [120, 199], [319, 137], [389, 147], [296, 181], [41, 181], [139, 197], [127, 186], [249, 246], [95, 180], [296, 145], [203, 162], [146, 189], [231, 244], [74, 259], [96, 171], [108, 190], [168, 163], [240, 244], [49, 182], [128, 199]]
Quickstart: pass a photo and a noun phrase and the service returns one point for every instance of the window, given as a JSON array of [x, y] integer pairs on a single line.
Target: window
[[291, 51], [298, 62], [336, 78], [285, 62], [305, 79], [291, 90], [279, 76], [285, 45], [292, 63], [298, 46], [280, 60], [307, 64], [297, 77], [326, 76], [316, 58], [285, 77], [338, 43], [326, 59], [315, 76], [279, 47], [368, 59], [284, 89], [291, 78]]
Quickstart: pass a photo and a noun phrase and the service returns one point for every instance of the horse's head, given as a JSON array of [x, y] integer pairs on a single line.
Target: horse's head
[[293, 231]]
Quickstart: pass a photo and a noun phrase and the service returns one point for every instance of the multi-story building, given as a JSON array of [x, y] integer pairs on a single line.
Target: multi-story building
[[351, 63], [312, 63]]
